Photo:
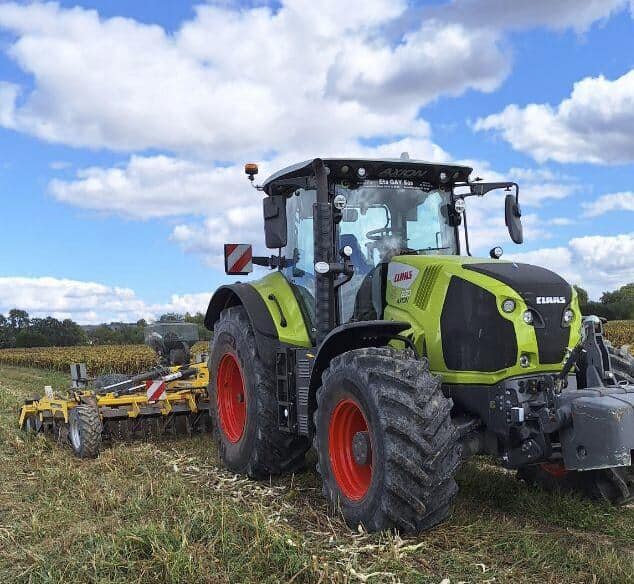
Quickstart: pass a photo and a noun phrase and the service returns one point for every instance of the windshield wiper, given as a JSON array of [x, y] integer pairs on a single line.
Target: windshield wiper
[[433, 248]]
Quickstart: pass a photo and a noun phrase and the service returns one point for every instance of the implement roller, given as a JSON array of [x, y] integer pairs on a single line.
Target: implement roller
[[170, 399]]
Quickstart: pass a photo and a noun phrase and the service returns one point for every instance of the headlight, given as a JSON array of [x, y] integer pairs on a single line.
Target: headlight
[[508, 305], [527, 317], [525, 360], [568, 315]]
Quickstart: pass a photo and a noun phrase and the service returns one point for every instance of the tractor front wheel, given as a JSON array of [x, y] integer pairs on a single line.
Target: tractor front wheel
[[243, 403], [387, 449]]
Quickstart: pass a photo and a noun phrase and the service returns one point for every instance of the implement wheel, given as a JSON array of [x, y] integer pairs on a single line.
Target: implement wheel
[[31, 424], [243, 404], [386, 446], [613, 485], [84, 430]]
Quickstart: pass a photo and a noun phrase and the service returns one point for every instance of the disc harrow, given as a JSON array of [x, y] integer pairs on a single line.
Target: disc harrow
[[164, 401]]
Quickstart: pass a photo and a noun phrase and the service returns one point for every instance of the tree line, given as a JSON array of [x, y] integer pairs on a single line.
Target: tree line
[[18, 329], [616, 305]]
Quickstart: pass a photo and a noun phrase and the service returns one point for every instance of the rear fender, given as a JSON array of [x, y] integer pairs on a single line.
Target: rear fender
[[239, 294]]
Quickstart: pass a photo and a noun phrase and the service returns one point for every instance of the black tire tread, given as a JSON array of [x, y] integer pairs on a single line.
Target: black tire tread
[[90, 429], [274, 452], [421, 443]]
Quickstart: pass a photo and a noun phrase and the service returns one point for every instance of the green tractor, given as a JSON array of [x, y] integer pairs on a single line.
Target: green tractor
[[375, 341]]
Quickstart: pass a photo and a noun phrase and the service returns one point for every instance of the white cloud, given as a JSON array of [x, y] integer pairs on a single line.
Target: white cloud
[[148, 187], [89, 302], [162, 186], [268, 79], [595, 124], [598, 263], [623, 201], [538, 187]]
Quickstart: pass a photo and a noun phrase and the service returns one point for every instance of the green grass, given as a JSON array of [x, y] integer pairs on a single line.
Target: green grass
[[165, 512]]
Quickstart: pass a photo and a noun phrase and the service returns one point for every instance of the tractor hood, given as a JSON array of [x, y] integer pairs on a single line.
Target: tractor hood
[[462, 300]]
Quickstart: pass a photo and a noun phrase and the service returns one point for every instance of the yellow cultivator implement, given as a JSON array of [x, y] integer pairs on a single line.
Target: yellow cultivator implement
[[170, 399]]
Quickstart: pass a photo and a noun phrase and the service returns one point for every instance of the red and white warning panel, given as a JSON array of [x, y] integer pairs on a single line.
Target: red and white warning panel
[[156, 390], [238, 258]]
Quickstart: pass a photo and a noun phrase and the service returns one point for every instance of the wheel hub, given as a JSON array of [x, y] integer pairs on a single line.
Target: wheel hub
[[361, 448]]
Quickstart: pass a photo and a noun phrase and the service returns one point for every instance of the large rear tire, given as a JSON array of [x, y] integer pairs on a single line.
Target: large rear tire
[[386, 446], [612, 485], [243, 404]]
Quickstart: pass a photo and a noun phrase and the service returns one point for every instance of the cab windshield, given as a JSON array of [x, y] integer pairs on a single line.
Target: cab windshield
[[383, 220], [378, 222]]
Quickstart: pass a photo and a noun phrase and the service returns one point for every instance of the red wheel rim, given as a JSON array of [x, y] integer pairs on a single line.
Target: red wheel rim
[[555, 469], [231, 398], [353, 478]]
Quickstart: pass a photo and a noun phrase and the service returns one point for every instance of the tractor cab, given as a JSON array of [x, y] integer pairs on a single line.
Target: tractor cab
[[372, 211]]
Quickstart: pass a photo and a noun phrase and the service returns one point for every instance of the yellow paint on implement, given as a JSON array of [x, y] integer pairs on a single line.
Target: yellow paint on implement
[[188, 392]]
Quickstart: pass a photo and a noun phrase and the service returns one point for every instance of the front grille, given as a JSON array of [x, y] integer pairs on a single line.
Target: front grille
[[531, 282], [475, 337]]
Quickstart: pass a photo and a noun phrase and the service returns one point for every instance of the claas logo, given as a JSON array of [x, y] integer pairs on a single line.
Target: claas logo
[[401, 276]]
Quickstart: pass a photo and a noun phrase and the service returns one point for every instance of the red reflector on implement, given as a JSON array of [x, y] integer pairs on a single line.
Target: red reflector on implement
[[155, 390]]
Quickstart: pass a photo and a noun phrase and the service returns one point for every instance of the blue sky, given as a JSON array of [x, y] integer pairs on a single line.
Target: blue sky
[[124, 126]]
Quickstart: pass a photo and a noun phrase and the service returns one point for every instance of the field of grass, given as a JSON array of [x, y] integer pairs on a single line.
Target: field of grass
[[165, 512]]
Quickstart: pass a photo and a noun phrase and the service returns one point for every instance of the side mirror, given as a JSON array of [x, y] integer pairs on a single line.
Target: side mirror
[[238, 258], [275, 221], [513, 218]]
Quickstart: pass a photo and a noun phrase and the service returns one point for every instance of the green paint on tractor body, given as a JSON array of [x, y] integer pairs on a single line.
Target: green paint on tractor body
[[419, 301], [422, 305]]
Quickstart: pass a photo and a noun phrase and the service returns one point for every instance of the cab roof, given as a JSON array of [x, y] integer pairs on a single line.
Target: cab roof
[[301, 175]]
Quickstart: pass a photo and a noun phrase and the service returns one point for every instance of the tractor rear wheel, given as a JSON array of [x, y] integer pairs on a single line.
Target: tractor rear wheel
[[387, 449], [613, 485], [243, 403], [85, 428]]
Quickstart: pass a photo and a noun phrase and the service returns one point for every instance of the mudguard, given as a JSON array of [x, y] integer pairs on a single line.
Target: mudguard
[[355, 335], [264, 329]]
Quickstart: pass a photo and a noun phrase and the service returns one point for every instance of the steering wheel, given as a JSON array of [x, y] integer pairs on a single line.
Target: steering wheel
[[379, 234]]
